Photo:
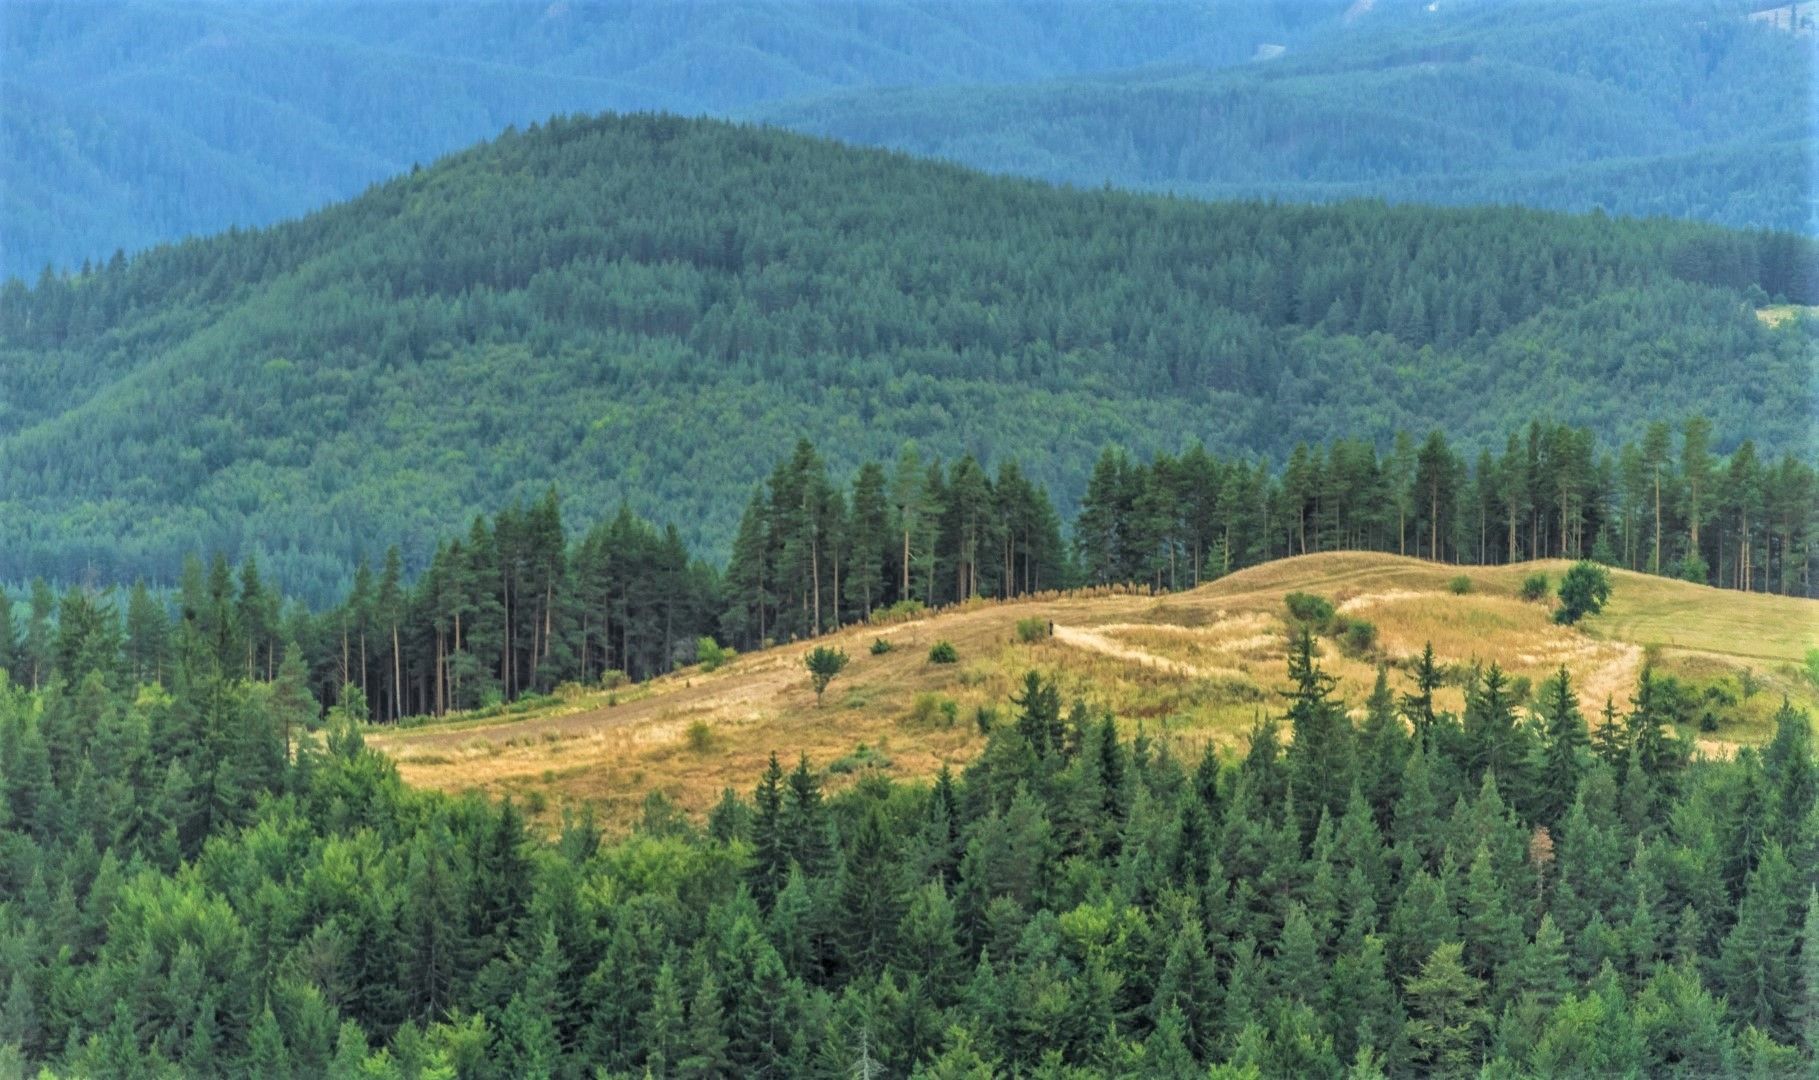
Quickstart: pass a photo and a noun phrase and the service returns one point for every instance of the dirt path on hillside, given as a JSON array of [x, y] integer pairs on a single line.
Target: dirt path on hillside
[[1613, 680], [1099, 643]]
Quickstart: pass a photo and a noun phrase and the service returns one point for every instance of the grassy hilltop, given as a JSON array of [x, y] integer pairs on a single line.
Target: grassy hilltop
[[1187, 668]]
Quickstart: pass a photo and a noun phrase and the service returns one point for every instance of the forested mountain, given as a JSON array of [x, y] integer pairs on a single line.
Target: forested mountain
[[130, 123], [651, 310], [1686, 110]]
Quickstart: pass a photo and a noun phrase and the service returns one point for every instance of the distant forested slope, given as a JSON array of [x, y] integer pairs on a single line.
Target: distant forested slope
[[1687, 110], [125, 124], [131, 123], [652, 310]]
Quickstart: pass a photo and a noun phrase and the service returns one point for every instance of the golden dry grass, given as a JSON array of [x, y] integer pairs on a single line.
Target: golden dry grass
[[1191, 668]]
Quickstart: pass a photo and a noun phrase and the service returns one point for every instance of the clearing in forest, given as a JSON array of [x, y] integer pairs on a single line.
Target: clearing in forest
[[1187, 668]]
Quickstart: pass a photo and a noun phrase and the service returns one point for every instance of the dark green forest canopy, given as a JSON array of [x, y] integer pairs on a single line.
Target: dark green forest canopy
[[202, 881], [653, 310]]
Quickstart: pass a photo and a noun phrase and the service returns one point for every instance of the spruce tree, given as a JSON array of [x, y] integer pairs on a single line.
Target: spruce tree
[[1757, 966], [1446, 1018], [1563, 742]]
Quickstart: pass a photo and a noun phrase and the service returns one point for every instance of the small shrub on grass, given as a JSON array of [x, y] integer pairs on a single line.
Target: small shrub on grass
[[943, 653], [612, 680], [1460, 585], [700, 737], [823, 664], [929, 710], [1030, 631], [881, 646], [1359, 637], [1316, 611], [862, 757], [1693, 569], [1583, 592], [1534, 587], [899, 611], [710, 654]]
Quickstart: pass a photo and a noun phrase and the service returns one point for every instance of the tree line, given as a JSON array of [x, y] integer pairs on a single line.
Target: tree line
[[209, 878], [520, 604]]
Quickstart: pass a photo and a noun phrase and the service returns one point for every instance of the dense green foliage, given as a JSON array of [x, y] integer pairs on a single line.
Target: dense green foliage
[[199, 885], [1683, 109], [1583, 592], [127, 124], [582, 305]]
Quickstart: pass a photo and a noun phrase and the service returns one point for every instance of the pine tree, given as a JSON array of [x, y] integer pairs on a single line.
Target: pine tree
[[870, 539], [1383, 745], [663, 1026], [702, 1052], [1446, 1020], [1696, 476], [1419, 706], [1300, 972], [528, 1027], [266, 1054], [770, 843], [1563, 741], [1494, 744], [805, 822], [147, 636], [1757, 965], [927, 945], [39, 635], [1807, 1015], [1320, 754], [1490, 926], [866, 904]]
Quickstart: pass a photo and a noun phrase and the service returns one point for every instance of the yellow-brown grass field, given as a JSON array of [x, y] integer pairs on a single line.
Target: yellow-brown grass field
[[1190, 668]]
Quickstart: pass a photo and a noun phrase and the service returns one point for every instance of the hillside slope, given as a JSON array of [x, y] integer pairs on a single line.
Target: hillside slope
[[575, 305], [1187, 668]]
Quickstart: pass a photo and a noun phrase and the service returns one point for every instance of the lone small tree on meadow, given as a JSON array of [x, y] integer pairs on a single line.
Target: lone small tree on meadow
[[823, 664], [1583, 592]]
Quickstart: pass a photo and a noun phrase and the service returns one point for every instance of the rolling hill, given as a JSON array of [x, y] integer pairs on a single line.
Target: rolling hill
[[133, 123], [1186, 668], [577, 305]]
